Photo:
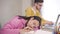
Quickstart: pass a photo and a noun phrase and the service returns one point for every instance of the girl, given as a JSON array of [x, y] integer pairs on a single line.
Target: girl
[[22, 24], [14, 25], [33, 23]]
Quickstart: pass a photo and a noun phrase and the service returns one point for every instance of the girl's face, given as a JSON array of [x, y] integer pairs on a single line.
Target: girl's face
[[33, 23]]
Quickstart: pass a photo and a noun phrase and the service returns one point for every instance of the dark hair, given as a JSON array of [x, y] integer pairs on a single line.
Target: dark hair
[[24, 17], [35, 18], [38, 1]]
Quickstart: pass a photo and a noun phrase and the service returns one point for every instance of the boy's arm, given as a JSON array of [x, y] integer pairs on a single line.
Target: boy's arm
[[28, 12]]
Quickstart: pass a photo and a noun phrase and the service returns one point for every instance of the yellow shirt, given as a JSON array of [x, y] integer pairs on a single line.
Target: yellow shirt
[[30, 12]]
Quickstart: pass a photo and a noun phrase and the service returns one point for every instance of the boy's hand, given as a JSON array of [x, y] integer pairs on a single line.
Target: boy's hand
[[49, 22]]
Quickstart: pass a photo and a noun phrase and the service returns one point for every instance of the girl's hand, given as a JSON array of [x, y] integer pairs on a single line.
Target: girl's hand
[[22, 31], [27, 29]]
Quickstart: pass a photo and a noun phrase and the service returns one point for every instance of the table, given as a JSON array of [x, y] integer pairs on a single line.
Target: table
[[41, 31]]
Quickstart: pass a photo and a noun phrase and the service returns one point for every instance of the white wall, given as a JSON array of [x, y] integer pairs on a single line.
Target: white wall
[[51, 9], [10, 8], [25, 4]]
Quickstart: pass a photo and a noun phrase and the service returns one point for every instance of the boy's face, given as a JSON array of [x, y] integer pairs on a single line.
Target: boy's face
[[39, 6]]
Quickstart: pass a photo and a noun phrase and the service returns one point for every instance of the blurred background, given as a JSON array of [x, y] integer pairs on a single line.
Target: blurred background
[[11, 8]]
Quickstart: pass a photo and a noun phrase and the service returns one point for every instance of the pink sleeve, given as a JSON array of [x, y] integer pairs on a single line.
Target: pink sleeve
[[14, 23], [13, 26], [10, 31]]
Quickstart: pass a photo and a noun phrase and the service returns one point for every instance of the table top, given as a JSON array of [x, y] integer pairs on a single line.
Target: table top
[[43, 32]]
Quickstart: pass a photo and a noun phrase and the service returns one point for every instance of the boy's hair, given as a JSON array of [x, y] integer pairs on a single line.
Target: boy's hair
[[38, 1], [35, 18]]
